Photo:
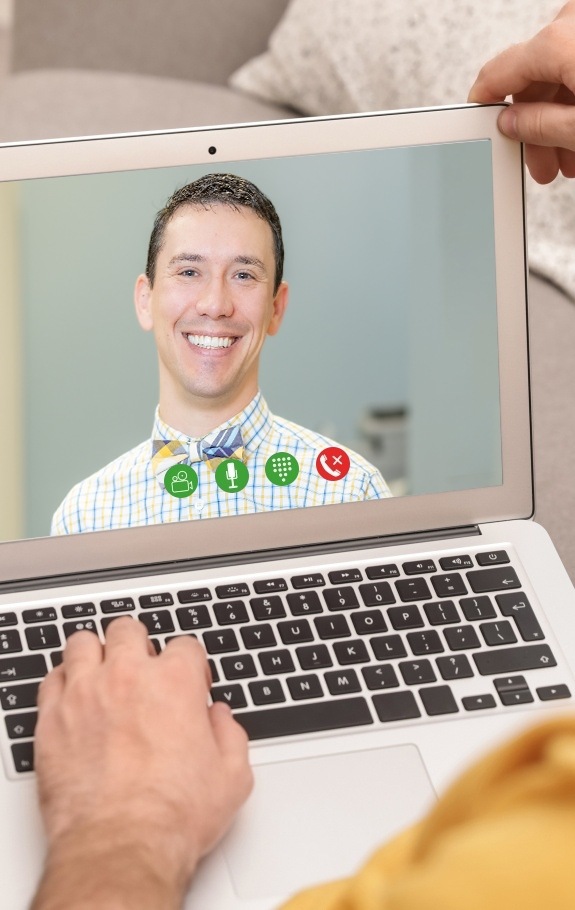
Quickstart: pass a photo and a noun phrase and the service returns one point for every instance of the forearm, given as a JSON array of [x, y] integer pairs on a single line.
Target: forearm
[[100, 868]]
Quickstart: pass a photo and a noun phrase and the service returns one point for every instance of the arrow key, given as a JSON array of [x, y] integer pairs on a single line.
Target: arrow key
[[550, 693]]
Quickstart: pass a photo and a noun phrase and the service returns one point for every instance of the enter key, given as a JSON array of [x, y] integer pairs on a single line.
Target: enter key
[[516, 605]]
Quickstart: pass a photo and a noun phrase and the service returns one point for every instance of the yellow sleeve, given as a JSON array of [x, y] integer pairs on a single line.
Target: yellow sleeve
[[503, 836]]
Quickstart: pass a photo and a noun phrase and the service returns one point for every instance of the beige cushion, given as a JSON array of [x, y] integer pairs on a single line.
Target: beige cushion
[[59, 103], [334, 56]]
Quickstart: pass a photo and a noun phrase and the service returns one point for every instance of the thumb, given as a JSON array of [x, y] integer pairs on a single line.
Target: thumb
[[540, 123]]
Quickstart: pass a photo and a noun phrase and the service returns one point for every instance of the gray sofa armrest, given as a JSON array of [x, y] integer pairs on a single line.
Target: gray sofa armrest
[[202, 40]]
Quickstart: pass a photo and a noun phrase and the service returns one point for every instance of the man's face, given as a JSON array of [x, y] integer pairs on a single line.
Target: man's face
[[211, 306]]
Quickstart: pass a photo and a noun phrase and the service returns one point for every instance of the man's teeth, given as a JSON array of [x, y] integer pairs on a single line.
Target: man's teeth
[[210, 341]]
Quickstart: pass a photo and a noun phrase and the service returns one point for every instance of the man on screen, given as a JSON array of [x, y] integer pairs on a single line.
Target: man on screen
[[211, 294]]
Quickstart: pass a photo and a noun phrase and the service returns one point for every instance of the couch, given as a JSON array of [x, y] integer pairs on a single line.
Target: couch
[[80, 67]]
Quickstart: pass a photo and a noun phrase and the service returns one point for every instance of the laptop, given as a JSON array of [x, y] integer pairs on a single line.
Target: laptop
[[372, 645]]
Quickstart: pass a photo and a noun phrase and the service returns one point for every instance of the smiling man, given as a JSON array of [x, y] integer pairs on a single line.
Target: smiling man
[[213, 291]]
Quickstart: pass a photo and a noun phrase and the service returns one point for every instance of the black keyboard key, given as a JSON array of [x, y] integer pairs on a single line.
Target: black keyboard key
[[221, 641], [270, 585], [119, 605], [498, 633], [106, 620], [305, 687], [229, 592], [510, 683], [407, 617], [197, 617], [438, 700], [456, 666], [21, 726], [304, 603], [8, 619], [475, 608], [295, 631], [230, 612], [377, 594], [260, 636], [461, 638], [493, 558], [448, 585], [382, 676], [419, 567], [344, 576], [158, 622], [30, 666], [387, 571], [78, 611], [16, 697], [231, 695], [342, 682], [478, 702], [427, 642], [267, 608], [392, 706], [513, 660], [47, 614], [416, 672], [343, 598], [332, 627], [213, 669], [441, 612], [81, 625], [314, 657], [484, 580], [42, 637], [368, 622], [516, 605], [314, 717], [155, 601], [23, 755], [314, 580], [10, 641], [519, 697], [388, 647], [454, 563], [56, 657], [194, 595], [274, 662], [550, 693], [269, 692], [413, 589], [351, 652], [240, 666]]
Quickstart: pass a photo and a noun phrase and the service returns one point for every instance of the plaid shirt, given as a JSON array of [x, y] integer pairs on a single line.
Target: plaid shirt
[[127, 494]]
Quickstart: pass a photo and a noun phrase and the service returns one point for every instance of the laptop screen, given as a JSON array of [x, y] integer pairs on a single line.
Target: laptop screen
[[370, 373]]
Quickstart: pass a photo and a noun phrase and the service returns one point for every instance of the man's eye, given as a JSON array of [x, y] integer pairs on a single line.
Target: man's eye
[[188, 273], [244, 276]]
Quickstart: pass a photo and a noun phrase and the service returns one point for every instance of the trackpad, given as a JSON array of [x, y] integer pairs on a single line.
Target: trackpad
[[316, 819]]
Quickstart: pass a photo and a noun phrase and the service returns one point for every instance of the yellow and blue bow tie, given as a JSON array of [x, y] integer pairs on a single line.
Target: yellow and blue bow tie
[[213, 449]]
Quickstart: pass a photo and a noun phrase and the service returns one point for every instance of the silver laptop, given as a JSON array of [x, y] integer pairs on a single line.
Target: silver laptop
[[377, 606]]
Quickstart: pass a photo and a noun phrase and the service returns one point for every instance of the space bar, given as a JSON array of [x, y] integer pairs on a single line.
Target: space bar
[[309, 718]]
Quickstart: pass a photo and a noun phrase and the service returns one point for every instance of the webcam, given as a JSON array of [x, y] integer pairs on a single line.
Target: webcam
[[212, 150]]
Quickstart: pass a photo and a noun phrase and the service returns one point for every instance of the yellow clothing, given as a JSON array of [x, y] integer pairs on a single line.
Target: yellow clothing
[[502, 837]]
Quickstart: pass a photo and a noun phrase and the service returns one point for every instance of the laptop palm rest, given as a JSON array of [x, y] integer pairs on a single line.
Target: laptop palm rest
[[317, 819]]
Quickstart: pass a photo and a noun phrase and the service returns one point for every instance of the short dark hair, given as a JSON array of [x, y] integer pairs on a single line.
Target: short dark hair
[[218, 189]]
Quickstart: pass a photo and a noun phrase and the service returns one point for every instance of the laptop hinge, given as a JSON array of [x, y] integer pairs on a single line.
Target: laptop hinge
[[246, 558]]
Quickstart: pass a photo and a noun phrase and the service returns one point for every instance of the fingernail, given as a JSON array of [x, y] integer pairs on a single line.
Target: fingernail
[[507, 123]]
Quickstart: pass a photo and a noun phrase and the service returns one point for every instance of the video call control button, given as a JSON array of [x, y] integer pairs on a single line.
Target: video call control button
[[118, 606], [315, 580], [155, 601], [8, 619], [388, 571], [333, 463], [73, 611], [269, 585], [282, 469], [47, 614], [419, 567], [494, 558], [344, 576], [194, 595], [226, 591]]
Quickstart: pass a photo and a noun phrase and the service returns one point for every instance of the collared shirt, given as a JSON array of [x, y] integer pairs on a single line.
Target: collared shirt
[[127, 494]]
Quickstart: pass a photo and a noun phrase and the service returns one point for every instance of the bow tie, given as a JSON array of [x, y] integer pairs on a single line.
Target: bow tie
[[213, 449]]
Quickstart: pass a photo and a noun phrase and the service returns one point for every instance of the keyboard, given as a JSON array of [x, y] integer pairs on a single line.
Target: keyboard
[[365, 644]]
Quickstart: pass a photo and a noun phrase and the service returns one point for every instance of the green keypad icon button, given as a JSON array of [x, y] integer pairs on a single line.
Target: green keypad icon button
[[282, 469], [180, 480]]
